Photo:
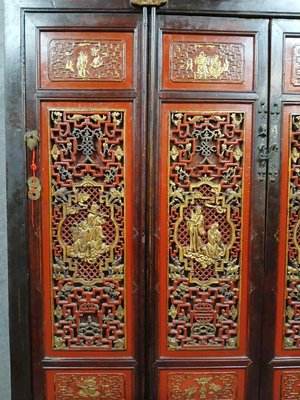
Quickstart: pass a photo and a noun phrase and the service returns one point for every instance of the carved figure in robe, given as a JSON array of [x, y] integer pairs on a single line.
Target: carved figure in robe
[[196, 229]]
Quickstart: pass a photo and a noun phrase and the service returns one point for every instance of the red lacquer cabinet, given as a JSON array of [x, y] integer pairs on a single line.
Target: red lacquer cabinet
[[162, 153]]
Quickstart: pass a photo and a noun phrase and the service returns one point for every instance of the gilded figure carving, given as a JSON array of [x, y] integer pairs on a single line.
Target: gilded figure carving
[[205, 210], [208, 62], [102, 60]]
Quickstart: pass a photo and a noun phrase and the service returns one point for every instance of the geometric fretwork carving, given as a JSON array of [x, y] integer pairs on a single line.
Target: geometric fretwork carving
[[89, 386], [292, 306], [88, 240], [207, 62], [205, 214], [202, 385]]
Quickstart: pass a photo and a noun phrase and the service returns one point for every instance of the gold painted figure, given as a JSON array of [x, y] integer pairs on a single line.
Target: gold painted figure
[[195, 227], [89, 389], [88, 237], [209, 253], [214, 248], [82, 62]]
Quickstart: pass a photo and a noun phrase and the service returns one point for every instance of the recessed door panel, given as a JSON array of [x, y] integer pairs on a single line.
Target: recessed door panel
[[288, 302], [204, 219], [87, 226]]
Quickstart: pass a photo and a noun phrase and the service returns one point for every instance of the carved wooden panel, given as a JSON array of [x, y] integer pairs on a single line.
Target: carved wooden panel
[[286, 384], [86, 255], [199, 62], [201, 384], [89, 384], [291, 64], [86, 60], [206, 230]]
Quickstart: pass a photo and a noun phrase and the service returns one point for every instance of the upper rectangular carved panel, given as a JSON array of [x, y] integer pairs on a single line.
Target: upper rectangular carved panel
[[74, 60], [207, 62], [291, 80], [198, 62], [86, 60]]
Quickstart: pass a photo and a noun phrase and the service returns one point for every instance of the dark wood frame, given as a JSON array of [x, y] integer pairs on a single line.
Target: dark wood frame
[[16, 187]]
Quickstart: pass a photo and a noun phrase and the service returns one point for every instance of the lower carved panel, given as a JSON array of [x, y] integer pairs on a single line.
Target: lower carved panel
[[287, 385], [206, 385], [89, 384]]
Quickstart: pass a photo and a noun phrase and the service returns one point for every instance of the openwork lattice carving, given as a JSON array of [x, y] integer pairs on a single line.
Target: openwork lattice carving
[[205, 197], [202, 385], [88, 241], [290, 386], [89, 386], [209, 62], [292, 311], [86, 60]]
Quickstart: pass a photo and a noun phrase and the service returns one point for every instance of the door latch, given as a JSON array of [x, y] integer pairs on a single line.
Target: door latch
[[32, 139]]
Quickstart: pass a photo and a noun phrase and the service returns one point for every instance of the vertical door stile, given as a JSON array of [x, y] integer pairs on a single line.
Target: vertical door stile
[[152, 205]]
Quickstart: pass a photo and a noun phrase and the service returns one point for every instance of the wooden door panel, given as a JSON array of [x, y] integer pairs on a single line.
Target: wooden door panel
[[207, 384], [84, 96], [208, 62], [81, 60], [280, 339], [208, 232], [206, 152]]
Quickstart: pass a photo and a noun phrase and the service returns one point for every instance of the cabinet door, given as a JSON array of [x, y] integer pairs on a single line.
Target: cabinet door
[[282, 302], [86, 205], [208, 171]]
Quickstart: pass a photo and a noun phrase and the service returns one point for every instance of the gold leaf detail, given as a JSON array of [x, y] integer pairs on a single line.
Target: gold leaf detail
[[173, 312], [120, 312], [237, 154], [55, 152], [174, 152], [119, 153]]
